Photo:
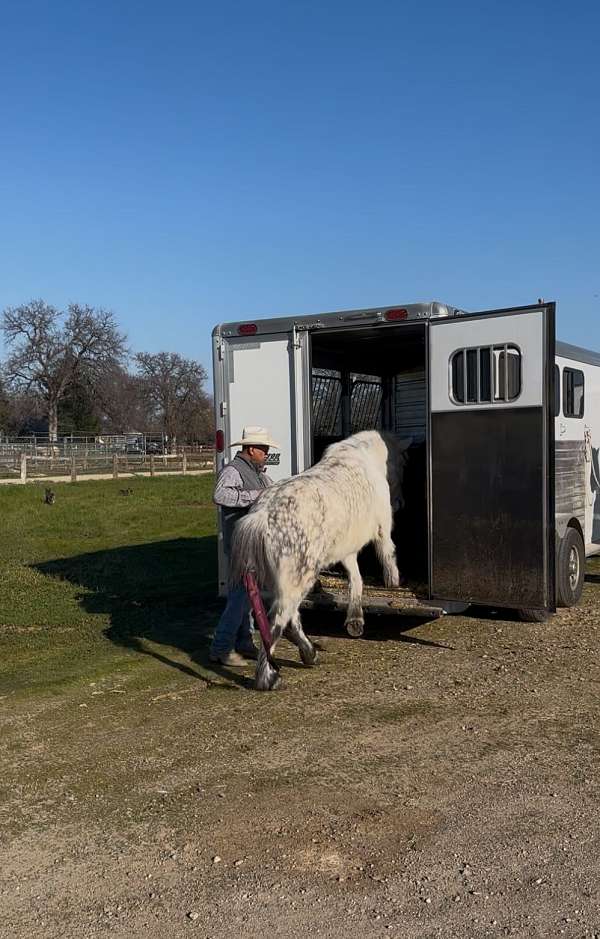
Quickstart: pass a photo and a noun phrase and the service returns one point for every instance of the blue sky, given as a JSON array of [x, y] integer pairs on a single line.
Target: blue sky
[[186, 163]]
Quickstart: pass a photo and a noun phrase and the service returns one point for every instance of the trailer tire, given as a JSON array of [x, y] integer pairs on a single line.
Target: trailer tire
[[533, 616], [570, 569]]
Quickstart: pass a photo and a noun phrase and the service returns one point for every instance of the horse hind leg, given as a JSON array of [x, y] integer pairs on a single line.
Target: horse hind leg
[[293, 587], [266, 677], [296, 634], [267, 674]]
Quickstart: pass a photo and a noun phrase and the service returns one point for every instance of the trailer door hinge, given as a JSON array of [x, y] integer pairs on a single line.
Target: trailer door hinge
[[223, 408]]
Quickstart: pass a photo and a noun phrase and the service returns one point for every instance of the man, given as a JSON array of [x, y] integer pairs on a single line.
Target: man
[[239, 485]]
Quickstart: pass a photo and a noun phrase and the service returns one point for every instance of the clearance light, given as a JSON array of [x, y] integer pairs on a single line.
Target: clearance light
[[247, 329], [219, 441], [396, 314]]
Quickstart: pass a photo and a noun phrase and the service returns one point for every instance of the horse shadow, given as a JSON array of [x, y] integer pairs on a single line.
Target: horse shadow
[[160, 597]]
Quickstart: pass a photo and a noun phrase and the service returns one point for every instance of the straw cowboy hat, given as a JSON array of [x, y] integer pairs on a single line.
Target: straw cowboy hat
[[254, 436]]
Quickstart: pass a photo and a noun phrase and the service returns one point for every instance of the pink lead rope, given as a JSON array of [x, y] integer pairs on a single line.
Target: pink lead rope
[[258, 609]]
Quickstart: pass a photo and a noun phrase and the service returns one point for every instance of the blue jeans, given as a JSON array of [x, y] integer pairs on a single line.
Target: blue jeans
[[235, 628]]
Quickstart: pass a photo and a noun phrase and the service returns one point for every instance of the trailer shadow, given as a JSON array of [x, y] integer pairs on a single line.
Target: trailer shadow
[[378, 628], [160, 598], [493, 614]]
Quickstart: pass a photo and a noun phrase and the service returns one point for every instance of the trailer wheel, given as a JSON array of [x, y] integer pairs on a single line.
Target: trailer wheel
[[570, 569]]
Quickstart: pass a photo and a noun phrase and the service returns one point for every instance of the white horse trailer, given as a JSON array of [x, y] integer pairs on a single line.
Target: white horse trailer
[[502, 484]]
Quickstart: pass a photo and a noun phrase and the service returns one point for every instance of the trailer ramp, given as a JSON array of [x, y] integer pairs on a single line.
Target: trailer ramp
[[331, 592]]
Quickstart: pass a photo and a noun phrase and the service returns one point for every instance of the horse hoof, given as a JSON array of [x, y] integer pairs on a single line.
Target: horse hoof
[[310, 660], [272, 686], [355, 628], [267, 681], [393, 580]]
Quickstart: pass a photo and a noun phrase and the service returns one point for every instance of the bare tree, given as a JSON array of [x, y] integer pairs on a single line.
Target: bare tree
[[78, 411], [4, 408], [173, 386], [121, 402], [200, 426], [19, 413], [50, 348]]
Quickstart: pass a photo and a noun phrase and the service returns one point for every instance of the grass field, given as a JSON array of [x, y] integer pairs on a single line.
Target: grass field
[[90, 582]]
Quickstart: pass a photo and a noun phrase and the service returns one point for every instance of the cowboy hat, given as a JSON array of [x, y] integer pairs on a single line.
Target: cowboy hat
[[254, 436]]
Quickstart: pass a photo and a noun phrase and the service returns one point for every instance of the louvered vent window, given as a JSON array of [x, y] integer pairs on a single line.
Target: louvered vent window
[[486, 374]]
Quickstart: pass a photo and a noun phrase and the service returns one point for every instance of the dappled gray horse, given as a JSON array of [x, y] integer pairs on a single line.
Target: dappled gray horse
[[323, 516]]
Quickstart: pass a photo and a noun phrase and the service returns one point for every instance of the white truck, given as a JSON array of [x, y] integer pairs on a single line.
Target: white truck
[[502, 484]]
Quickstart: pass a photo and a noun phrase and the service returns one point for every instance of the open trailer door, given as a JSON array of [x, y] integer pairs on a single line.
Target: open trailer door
[[265, 379], [262, 379], [491, 458]]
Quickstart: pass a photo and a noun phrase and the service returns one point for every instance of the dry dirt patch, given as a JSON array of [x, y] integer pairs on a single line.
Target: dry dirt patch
[[437, 783]]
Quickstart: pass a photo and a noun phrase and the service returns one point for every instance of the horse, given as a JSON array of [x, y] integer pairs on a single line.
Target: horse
[[320, 517]]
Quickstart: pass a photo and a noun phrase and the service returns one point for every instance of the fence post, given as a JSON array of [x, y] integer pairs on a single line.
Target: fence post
[[73, 469], [23, 467], [152, 464], [115, 465], [184, 463]]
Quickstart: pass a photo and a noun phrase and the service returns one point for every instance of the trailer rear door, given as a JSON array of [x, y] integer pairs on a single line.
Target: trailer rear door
[[491, 458], [267, 382], [263, 379]]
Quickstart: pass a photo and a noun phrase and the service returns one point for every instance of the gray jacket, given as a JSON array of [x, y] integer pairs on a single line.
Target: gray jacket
[[239, 485]]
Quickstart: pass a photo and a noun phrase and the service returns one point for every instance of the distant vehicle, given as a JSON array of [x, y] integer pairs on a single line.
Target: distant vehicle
[[153, 446]]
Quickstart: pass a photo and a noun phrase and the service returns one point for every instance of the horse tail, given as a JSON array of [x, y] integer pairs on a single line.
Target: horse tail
[[251, 550]]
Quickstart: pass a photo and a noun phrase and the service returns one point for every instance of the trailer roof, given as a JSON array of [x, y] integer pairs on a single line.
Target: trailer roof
[[414, 311], [577, 354], [431, 309]]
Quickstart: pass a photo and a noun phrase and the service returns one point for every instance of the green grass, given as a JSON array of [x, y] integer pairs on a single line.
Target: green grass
[[93, 581]]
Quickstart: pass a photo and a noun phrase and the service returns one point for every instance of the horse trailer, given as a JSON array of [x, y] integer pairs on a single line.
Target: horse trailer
[[502, 482]]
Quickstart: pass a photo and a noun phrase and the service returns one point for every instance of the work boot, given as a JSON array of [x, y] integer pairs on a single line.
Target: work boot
[[233, 659], [249, 652]]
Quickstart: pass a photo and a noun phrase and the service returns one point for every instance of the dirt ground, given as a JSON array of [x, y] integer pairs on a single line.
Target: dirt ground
[[434, 779]]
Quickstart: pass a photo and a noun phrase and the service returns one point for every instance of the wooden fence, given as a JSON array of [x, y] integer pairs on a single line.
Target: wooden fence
[[24, 467]]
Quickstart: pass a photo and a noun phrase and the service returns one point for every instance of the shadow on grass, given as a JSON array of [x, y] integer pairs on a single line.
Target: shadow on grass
[[163, 593]]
